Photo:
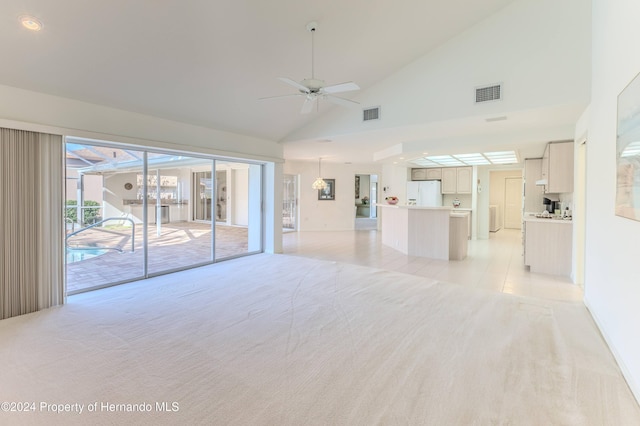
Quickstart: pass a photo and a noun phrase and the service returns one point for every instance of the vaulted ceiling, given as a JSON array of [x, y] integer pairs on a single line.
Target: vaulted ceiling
[[208, 63]]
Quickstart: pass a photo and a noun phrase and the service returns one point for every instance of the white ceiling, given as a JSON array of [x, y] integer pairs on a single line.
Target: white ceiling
[[207, 63]]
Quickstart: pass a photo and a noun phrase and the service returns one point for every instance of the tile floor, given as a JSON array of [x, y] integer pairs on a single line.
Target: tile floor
[[495, 264]]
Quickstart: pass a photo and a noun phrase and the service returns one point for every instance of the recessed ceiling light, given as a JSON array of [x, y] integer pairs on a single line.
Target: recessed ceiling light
[[31, 23]]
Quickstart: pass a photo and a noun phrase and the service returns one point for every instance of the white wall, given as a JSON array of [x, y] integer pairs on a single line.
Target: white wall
[[325, 215], [612, 275], [538, 49], [81, 119], [394, 182]]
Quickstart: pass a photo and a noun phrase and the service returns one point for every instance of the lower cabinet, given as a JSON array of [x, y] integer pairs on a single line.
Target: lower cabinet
[[547, 246]]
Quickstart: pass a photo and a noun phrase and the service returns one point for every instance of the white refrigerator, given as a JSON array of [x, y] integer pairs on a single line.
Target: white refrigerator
[[425, 193]]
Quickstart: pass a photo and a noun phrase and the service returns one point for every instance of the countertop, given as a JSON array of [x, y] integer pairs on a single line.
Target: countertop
[[546, 220], [404, 206]]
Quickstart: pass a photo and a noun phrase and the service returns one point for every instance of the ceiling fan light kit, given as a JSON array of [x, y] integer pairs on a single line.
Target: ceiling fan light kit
[[313, 89]]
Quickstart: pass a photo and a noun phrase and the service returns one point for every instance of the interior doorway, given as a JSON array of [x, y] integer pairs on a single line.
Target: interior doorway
[[290, 203], [505, 197], [366, 195]]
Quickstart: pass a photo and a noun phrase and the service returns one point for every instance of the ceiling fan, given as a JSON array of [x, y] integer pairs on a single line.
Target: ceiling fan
[[313, 89]]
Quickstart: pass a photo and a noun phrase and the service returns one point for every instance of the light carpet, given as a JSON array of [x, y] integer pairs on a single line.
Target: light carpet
[[282, 340]]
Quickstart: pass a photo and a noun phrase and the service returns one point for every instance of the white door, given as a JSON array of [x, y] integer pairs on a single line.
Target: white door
[[513, 203]]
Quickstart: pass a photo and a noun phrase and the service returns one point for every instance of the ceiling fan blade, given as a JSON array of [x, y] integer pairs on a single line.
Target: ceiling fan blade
[[341, 101], [308, 105], [281, 96], [342, 87], [294, 84]]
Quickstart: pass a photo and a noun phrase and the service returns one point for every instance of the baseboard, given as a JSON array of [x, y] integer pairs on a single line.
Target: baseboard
[[635, 389]]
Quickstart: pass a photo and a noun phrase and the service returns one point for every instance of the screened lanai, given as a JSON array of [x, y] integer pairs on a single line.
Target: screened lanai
[[133, 212]]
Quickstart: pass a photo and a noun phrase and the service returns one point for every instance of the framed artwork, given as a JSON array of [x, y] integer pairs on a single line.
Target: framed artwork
[[329, 193], [357, 187], [628, 152]]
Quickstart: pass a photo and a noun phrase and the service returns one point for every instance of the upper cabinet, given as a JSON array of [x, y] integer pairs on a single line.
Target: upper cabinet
[[434, 174], [457, 180], [449, 180], [464, 175], [557, 167], [426, 174]]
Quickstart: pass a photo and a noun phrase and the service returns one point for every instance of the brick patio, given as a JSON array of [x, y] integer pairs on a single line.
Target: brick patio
[[179, 245]]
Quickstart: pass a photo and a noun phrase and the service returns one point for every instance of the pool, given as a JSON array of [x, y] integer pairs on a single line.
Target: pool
[[77, 255]]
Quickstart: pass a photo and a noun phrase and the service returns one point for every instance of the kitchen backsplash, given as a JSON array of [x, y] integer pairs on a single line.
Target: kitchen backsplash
[[566, 200], [465, 200]]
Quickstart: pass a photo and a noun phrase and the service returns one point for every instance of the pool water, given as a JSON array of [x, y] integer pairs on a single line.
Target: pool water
[[77, 255]]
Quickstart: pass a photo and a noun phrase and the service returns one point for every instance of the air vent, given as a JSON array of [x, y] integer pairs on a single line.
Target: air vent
[[371, 114], [489, 93]]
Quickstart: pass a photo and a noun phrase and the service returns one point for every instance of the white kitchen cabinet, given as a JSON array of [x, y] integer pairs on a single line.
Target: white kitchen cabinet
[[457, 180], [468, 214], [449, 180], [418, 174], [557, 167], [458, 240], [434, 174], [426, 174], [547, 246], [464, 176]]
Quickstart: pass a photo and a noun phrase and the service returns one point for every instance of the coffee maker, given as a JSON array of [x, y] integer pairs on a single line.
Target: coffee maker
[[550, 205]]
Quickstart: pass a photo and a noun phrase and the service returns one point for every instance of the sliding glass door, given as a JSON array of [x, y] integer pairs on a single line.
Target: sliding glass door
[[238, 215], [103, 216], [132, 214], [174, 240]]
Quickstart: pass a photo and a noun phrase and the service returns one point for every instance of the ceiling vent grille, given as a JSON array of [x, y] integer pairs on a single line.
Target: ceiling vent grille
[[489, 93], [369, 114]]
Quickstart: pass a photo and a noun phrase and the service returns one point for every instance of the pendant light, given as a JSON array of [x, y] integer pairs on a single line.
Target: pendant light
[[319, 183]]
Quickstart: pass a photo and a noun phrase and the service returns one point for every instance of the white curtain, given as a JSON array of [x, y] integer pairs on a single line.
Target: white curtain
[[31, 222]]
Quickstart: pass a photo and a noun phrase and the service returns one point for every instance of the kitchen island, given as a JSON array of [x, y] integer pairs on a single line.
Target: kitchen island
[[423, 231]]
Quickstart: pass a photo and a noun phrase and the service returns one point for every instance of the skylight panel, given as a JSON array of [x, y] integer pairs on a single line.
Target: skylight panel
[[632, 150], [445, 160], [502, 157], [475, 159]]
